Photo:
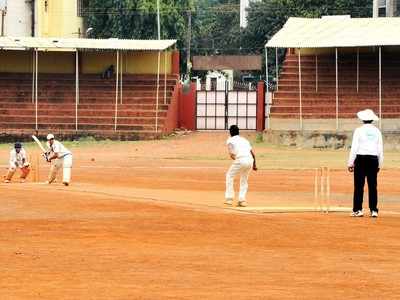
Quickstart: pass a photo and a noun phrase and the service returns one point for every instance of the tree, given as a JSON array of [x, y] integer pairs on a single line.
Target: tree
[[137, 19]]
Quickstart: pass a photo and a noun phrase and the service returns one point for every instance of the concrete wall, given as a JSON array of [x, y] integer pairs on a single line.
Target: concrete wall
[[18, 20], [324, 139], [90, 62], [133, 62], [58, 19]]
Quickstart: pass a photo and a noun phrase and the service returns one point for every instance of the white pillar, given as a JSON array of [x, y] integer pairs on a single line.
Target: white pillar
[[158, 88], [337, 89], [33, 76], [358, 69], [316, 73], [380, 87], [36, 88], [276, 69], [165, 77], [300, 91], [268, 125], [116, 93], [76, 88], [121, 73]]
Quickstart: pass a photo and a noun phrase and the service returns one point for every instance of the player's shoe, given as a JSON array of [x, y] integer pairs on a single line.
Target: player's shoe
[[66, 183], [7, 181], [228, 202], [358, 213], [374, 214], [22, 180], [242, 203]]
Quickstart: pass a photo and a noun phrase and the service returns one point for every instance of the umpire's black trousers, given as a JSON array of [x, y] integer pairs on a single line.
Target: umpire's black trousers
[[365, 166]]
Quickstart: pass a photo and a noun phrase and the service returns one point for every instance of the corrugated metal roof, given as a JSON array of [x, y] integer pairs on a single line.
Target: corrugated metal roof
[[337, 32], [87, 44]]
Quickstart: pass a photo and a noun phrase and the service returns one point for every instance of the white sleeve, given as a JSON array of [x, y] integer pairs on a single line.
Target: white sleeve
[[23, 153], [231, 148], [354, 148], [13, 159], [380, 149]]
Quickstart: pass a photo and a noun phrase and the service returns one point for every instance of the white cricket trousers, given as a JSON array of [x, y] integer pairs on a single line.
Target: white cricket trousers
[[66, 164], [243, 167]]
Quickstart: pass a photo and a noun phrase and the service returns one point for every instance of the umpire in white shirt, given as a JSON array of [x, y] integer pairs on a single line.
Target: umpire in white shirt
[[366, 158]]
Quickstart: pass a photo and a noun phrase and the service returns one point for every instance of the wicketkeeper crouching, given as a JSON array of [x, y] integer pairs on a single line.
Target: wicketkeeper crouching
[[18, 160], [62, 159]]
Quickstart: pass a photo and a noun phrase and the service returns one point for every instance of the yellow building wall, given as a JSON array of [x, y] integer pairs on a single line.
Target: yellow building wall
[[90, 62], [16, 61], [132, 62], [56, 62], [59, 19]]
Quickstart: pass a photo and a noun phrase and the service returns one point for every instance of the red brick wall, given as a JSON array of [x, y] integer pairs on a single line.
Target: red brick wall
[[175, 62], [187, 107], [172, 119]]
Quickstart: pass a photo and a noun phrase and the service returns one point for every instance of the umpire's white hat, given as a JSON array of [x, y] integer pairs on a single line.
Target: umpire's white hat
[[367, 115], [50, 137]]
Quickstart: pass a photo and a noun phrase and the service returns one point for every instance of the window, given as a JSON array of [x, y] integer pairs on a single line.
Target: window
[[397, 13], [83, 6], [382, 12]]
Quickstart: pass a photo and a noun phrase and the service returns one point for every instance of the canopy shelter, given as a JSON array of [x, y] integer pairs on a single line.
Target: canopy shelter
[[78, 45], [335, 32]]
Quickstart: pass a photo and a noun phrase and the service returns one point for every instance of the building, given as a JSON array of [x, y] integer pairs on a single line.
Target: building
[[43, 18], [386, 8]]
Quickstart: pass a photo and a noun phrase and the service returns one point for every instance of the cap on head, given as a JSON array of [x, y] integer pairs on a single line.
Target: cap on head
[[17, 145], [50, 137], [234, 130], [367, 115]]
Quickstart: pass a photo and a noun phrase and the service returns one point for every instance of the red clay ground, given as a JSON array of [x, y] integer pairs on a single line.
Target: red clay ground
[[145, 221]]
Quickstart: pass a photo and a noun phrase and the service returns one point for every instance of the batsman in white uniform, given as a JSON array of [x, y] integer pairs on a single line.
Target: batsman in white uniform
[[62, 159], [243, 161], [18, 160]]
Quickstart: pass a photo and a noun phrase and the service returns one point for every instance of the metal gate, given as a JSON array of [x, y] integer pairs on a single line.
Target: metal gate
[[218, 110]]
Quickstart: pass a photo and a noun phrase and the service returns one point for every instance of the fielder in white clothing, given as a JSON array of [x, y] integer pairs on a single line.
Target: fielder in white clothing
[[18, 160], [62, 159], [243, 161]]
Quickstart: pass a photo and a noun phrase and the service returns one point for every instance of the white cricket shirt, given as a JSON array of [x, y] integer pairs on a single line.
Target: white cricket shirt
[[367, 140], [239, 146], [59, 148], [17, 159]]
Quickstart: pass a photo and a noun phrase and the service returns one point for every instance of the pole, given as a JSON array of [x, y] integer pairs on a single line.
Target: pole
[[380, 87], [267, 87], [165, 77], [33, 76], [3, 14], [158, 20], [358, 69], [36, 89], [76, 88], [276, 69], [116, 94], [158, 88], [189, 38], [121, 78], [300, 99], [316, 73], [337, 89]]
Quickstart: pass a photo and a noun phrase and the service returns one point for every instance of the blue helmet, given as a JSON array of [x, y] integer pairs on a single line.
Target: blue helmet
[[17, 145]]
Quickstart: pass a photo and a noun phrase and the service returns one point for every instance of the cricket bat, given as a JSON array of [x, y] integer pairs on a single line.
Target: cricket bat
[[39, 143]]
